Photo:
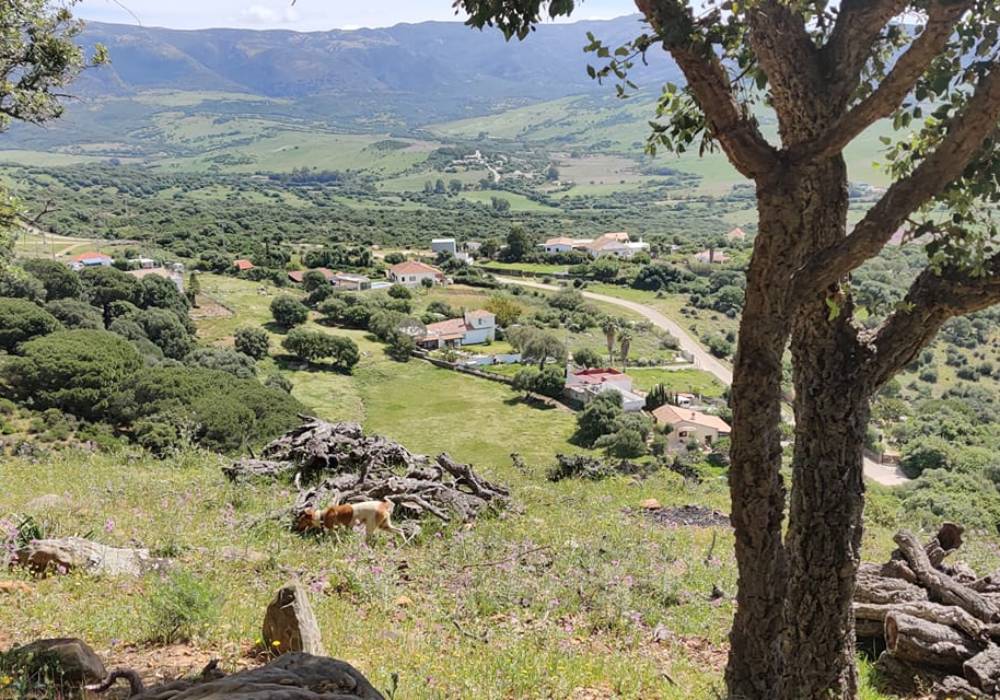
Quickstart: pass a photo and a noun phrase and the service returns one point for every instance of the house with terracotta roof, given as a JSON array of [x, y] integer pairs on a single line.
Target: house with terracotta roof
[[607, 244], [473, 328], [90, 259], [689, 426], [298, 275], [737, 234], [584, 384], [414, 272], [242, 265], [562, 244]]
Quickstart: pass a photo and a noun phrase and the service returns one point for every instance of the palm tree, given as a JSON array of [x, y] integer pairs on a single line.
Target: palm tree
[[610, 328], [625, 343]]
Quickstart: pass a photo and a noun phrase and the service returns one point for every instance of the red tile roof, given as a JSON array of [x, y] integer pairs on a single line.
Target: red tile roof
[[414, 267], [598, 375], [90, 255], [672, 415], [298, 275], [242, 265]]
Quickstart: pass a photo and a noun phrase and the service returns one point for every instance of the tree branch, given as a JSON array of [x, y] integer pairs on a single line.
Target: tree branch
[[897, 84], [961, 143], [859, 23], [790, 59], [734, 128], [932, 300]]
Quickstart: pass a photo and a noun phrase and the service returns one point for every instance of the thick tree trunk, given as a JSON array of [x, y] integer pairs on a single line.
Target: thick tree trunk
[[755, 483], [824, 531]]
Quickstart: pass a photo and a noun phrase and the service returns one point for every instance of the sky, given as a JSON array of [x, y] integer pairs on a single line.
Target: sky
[[305, 15]]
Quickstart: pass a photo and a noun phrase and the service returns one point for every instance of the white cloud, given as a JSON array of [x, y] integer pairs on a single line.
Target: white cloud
[[269, 16]]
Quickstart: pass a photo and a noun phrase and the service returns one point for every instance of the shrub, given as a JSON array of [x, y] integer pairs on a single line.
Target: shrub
[[401, 347], [504, 308], [398, 291], [426, 283], [314, 279], [252, 341], [79, 371], [180, 607], [73, 313], [167, 331], [288, 311], [222, 359], [599, 417], [22, 320], [315, 345], [926, 452], [18, 284], [625, 443], [280, 382]]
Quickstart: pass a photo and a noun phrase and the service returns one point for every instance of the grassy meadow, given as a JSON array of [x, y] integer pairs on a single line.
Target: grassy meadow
[[573, 593]]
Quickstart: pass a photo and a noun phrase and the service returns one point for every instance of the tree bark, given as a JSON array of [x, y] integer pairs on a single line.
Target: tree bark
[[756, 486], [823, 543]]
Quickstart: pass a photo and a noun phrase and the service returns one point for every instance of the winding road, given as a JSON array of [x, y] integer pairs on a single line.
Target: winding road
[[703, 360]]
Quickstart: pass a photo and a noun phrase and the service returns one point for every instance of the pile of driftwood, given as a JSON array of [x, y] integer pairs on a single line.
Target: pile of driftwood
[[333, 463], [939, 623]]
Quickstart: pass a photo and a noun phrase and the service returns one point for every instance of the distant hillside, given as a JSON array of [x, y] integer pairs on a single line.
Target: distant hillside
[[432, 65]]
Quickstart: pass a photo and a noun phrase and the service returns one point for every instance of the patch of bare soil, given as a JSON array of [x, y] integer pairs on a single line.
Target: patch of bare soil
[[689, 516], [156, 664], [209, 308]]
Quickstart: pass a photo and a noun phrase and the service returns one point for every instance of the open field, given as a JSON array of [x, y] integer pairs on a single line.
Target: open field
[[691, 381], [533, 268]]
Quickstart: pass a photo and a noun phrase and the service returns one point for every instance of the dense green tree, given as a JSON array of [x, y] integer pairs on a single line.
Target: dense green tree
[[288, 311], [22, 320], [541, 346], [504, 308], [165, 329], [222, 359], [518, 245], [585, 357], [59, 281], [106, 285], [599, 417], [17, 283], [252, 341], [624, 444], [78, 371], [823, 73], [314, 279], [306, 344], [400, 347], [74, 313], [398, 291], [160, 293], [525, 380]]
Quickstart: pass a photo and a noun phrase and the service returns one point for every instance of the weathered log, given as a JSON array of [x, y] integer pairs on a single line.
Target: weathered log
[[949, 615], [872, 587], [75, 553], [902, 678], [942, 587], [955, 688], [295, 676], [983, 669], [924, 643]]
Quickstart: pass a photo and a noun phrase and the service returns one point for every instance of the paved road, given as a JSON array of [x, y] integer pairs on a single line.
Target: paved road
[[880, 473]]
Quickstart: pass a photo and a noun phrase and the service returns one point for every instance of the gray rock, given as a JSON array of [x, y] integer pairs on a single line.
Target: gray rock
[[71, 553], [70, 658], [290, 624]]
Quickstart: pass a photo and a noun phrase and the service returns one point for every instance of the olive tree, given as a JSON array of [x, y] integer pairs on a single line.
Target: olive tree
[[826, 71]]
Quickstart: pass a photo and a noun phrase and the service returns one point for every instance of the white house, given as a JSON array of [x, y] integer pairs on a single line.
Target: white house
[[562, 244], [413, 272], [616, 244], [474, 328], [90, 259], [444, 245], [583, 385], [690, 426]]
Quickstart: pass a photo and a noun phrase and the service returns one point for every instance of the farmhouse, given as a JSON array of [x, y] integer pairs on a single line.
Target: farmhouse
[[737, 234], [608, 244], [90, 259], [475, 327], [689, 425], [351, 282], [242, 265], [583, 385], [413, 272]]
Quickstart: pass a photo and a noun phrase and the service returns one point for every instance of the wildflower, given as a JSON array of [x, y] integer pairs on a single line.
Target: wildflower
[[109, 525], [276, 643], [5, 681]]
